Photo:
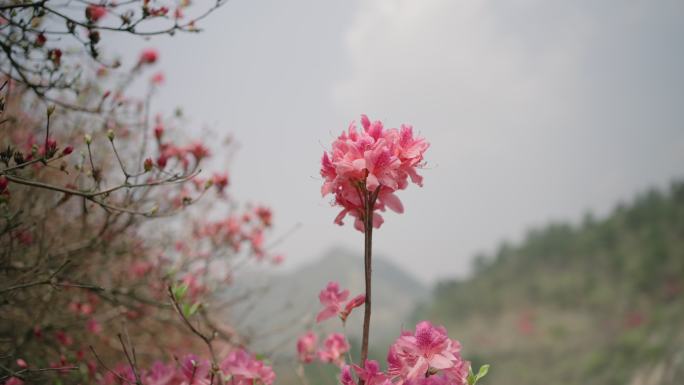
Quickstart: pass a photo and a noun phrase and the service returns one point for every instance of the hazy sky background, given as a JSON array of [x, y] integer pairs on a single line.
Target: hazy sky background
[[537, 110]]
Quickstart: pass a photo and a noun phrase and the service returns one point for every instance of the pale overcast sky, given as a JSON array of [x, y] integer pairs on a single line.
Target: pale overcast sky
[[537, 110]]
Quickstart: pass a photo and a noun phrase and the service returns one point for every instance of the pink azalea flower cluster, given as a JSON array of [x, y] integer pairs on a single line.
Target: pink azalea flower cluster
[[237, 230], [334, 348], [68, 355], [332, 298], [239, 367], [334, 301], [424, 357], [375, 160], [182, 154]]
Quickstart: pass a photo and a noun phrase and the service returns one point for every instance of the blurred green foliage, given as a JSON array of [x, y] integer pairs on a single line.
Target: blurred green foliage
[[599, 302]]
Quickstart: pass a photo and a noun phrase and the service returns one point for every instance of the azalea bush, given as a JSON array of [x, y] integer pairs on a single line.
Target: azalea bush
[[118, 236], [363, 171], [113, 250]]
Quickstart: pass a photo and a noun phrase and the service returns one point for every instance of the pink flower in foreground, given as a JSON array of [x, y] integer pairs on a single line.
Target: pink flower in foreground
[[375, 160], [427, 351], [245, 369], [148, 56], [306, 347], [334, 348], [331, 298]]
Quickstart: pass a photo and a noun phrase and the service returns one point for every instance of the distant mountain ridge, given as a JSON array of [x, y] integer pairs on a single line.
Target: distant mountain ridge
[[600, 303], [289, 301]]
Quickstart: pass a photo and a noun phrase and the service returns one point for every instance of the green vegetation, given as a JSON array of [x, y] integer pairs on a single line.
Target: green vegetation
[[601, 302]]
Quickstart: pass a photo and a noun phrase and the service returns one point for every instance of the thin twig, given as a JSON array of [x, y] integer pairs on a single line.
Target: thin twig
[[130, 360]]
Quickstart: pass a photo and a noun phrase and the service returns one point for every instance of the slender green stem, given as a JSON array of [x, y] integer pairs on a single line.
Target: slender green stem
[[369, 202]]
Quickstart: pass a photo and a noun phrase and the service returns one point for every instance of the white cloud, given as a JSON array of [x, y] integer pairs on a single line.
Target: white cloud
[[532, 108]]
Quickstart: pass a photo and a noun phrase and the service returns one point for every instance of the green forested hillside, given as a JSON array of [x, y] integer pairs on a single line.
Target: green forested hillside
[[601, 302]]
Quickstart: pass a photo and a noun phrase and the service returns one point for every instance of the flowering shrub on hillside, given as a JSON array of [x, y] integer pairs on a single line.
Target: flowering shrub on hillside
[[115, 245]]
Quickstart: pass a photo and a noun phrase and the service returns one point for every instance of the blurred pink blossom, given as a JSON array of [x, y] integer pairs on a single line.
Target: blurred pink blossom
[[306, 347], [334, 348], [331, 298]]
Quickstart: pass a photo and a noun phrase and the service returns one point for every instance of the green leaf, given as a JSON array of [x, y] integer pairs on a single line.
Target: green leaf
[[179, 291], [484, 369], [193, 309], [474, 378]]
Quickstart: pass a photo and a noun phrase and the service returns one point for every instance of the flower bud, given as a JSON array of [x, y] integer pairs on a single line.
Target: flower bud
[[21, 363], [67, 150], [158, 131], [40, 40], [148, 164], [161, 161], [148, 56], [95, 12], [50, 109], [6, 155], [19, 157], [3, 184], [94, 37], [110, 134], [55, 56], [88, 139]]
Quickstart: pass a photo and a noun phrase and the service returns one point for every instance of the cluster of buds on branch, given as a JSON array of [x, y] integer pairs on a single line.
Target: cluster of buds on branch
[[33, 35]]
